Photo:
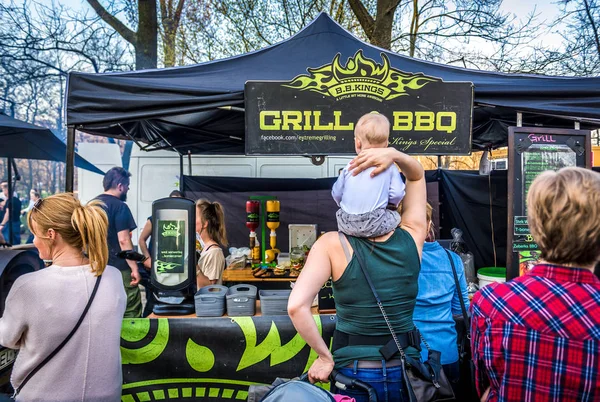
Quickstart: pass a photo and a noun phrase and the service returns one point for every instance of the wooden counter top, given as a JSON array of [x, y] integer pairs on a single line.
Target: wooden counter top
[[245, 276]]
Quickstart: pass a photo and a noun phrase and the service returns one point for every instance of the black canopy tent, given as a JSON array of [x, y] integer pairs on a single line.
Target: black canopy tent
[[21, 140], [199, 109]]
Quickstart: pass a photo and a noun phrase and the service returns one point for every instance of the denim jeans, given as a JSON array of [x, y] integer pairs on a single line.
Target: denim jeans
[[16, 239], [386, 381]]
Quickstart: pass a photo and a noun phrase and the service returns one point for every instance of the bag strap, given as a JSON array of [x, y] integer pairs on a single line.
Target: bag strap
[[345, 247], [64, 342], [466, 320]]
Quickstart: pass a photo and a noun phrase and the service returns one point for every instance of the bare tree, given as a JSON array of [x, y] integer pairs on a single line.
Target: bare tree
[[214, 29], [39, 46], [170, 17], [581, 19], [144, 38], [378, 28]]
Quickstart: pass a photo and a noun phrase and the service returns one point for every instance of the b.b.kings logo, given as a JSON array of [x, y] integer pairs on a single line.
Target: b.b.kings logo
[[360, 77]]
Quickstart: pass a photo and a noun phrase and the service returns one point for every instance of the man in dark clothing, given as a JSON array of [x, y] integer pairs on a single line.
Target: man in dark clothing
[[120, 225], [12, 217]]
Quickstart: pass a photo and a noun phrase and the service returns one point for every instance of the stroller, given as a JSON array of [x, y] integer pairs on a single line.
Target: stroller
[[300, 390]]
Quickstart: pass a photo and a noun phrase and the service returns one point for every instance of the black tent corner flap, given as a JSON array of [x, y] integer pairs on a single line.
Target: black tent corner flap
[[179, 107], [21, 140]]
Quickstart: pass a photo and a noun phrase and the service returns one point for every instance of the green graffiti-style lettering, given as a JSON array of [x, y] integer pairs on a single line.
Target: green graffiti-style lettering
[[271, 346], [135, 330], [199, 357]]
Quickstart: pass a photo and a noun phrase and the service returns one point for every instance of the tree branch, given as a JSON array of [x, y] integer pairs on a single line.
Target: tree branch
[[362, 14], [178, 12], [114, 22], [593, 23]]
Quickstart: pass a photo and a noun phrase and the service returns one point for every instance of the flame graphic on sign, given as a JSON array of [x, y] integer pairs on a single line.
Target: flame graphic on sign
[[360, 69], [163, 266]]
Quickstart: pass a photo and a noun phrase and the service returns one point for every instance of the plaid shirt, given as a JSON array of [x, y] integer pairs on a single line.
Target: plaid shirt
[[537, 338]]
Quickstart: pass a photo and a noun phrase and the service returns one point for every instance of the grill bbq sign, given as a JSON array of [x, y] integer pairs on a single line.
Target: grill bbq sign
[[315, 113]]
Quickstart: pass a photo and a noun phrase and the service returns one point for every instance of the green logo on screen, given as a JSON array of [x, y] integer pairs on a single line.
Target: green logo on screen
[[170, 230]]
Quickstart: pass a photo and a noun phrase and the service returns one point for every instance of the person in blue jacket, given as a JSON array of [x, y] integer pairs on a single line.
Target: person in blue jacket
[[438, 300]]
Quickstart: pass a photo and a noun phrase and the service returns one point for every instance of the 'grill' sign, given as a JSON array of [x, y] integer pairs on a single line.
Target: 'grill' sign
[[315, 113]]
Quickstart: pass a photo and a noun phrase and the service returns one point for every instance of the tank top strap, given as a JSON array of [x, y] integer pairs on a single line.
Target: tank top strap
[[345, 247]]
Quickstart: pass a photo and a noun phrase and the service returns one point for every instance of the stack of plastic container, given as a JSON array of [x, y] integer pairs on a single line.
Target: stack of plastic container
[[210, 301], [241, 300], [274, 302]]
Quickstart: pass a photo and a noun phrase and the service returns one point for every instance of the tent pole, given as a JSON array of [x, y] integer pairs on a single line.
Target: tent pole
[[70, 171], [519, 119], [439, 161], [181, 172], [189, 162], [577, 125], [9, 201]]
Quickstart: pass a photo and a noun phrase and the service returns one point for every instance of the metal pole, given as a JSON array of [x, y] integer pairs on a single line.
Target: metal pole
[[189, 162], [181, 172], [70, 170], [439, 161], [9, 202], [519, 119], [577, 125]]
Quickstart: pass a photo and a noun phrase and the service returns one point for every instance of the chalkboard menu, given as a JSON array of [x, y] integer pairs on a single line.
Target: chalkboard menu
[[532, 151], [326, 300]]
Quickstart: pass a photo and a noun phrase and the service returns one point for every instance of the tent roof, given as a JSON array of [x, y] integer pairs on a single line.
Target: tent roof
[[19, 139], [180, 104]]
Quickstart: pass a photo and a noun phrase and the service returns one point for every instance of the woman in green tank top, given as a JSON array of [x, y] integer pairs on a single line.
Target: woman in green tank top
[[393, 263]]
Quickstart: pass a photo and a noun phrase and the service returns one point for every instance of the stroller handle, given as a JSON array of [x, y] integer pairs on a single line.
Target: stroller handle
[[341, 381]]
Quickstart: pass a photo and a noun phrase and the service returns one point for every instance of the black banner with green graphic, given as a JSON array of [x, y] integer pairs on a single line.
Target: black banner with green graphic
[[211, 359], [171, 246], [315, 113]]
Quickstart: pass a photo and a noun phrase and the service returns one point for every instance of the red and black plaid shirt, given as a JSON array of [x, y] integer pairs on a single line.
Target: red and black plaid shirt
[[537, 338]]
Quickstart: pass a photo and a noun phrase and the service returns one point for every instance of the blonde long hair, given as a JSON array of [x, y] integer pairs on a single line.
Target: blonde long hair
[[83, 227]]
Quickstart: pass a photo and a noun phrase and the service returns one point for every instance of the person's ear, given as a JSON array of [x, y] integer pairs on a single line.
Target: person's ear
[[51, 234]]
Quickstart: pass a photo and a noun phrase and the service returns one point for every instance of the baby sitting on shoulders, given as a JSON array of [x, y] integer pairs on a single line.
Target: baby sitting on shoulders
[[368, 204]]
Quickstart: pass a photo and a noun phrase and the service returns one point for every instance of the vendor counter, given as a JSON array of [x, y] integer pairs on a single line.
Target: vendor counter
[[189, 358], [237, 276]]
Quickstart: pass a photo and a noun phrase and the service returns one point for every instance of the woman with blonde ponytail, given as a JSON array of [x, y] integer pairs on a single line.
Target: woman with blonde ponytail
[[210, 226], [43, 307]]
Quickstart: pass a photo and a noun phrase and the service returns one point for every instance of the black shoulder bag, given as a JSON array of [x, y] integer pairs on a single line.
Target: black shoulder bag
[[425, 381], [467, 368], [63, 343]]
